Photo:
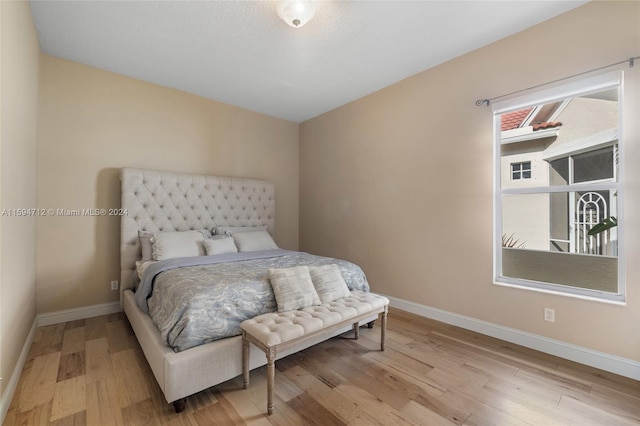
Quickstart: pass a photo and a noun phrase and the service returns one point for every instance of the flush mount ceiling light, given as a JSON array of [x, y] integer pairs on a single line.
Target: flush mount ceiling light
[[295, 13]]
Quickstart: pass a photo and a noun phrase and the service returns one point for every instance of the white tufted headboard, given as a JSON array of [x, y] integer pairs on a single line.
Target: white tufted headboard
[[166, 201]]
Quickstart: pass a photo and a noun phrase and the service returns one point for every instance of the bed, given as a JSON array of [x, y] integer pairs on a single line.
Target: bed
[[159, 201]]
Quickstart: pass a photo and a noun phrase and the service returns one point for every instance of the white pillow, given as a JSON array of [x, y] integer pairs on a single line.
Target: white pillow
[[254, 241], [146, 245], [230, 230], [293, 288], [168, 245], [328, 282], [222, 245]]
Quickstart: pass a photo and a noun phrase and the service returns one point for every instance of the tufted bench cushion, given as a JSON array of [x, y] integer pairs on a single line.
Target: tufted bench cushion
[[280, 327], [273, 332]]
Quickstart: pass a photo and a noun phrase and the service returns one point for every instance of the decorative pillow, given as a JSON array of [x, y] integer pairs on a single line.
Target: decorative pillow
[[293, 288], [220, 244], [146, 245], [167, 245], [230, 230], [254, 241], [328, 282]]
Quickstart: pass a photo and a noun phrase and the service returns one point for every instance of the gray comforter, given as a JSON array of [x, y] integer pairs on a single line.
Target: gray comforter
[[196, 300]]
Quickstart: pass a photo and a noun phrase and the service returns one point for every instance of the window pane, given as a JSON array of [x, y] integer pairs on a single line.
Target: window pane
[[594, 165], [565, 142], [559, 172], [536, 221], [562, 269], [559, 216], [525, 218]]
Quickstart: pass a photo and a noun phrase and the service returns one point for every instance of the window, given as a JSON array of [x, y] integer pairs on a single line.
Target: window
[[521, 170], [562, 230]]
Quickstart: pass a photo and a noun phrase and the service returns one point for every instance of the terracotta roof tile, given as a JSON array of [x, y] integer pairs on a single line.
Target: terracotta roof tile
[[513, 120], [546, 125]]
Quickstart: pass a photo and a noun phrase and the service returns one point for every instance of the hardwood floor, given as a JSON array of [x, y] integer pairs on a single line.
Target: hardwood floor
[[93, 372]]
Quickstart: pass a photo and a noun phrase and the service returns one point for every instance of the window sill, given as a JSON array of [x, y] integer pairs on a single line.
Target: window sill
[[562, 293]]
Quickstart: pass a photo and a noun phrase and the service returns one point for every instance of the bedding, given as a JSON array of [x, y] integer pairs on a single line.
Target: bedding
[[196, 300]]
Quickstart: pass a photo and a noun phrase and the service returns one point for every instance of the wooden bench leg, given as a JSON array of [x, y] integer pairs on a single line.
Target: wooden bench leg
[[245, 359], [271, 375], [383, 329], [356, 330]]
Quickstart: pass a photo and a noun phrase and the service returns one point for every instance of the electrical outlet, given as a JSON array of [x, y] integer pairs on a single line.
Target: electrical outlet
[[549, 314], [114, 285]]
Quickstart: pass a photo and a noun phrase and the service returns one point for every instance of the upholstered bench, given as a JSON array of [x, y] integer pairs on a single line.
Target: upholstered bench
[[280, 331]]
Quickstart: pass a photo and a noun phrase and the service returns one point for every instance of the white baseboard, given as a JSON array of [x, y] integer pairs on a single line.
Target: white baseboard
[[607, 362], [12, 384], [78, 313]]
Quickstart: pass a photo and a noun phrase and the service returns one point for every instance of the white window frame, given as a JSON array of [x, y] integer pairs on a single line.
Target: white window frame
[[556, 93]]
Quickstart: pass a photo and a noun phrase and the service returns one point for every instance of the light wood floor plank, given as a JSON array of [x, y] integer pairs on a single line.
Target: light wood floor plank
[[376, 411], [251, 414], [424, 416], [98, 360], [117, 336], [102, 403], [71, 365], [40, 382], [344, 409], [76, 419], [94, 328], [38, 416], [141, 413], [131, 383], [594, 415], [47, 340], [70, 397], [73, 340]]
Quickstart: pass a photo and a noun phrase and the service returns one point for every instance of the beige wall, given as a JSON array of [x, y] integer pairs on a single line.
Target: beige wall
[[401, 181], [92, 123], [19, 56]]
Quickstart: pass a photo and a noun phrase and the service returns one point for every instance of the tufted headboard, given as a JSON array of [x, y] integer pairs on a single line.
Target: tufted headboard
[[158, 201]]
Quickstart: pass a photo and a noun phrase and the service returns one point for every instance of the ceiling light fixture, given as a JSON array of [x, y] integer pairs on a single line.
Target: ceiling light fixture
[[295, 13]]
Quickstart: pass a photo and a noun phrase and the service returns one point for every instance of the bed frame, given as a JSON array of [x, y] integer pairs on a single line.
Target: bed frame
[[158, 201]]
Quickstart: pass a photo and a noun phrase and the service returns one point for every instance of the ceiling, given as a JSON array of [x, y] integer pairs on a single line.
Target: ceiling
[[241, 53]]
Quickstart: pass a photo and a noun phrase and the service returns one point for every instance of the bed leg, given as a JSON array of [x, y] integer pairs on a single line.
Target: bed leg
[[180, 404], [370, 324]]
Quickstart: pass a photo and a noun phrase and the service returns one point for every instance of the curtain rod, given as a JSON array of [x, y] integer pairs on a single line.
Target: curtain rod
[[487, 101]]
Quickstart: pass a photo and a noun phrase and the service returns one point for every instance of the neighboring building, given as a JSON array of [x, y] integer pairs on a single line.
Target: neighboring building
[[555, 144]]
